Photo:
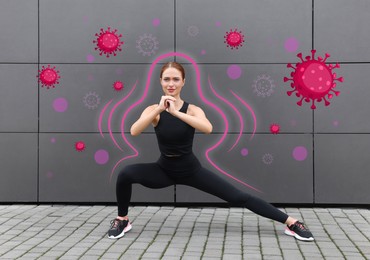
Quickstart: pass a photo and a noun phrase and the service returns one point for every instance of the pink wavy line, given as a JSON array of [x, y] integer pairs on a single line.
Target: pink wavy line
[[101, 117], [161, 57], [250, 110], [235, 110], [111, 114]]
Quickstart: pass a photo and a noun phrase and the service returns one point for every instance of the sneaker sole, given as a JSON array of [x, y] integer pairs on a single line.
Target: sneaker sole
[[125, 230], [293, 234]]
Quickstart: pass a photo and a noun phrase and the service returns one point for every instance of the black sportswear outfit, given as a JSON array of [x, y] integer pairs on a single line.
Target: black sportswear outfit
[[178, 165]]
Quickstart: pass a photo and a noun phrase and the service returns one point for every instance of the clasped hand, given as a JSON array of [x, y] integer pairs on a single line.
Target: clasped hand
[[167, 103]]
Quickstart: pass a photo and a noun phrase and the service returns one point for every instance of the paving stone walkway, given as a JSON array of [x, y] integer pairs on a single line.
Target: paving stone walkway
[[79, 232]]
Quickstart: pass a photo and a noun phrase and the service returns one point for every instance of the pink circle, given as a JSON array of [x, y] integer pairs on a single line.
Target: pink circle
[[244, 152], [53, 140], [291, 44], [60, 105], [90, 58], [156, 22], [218, 23], [300, 153], [101, 156], [234, 71], [203, 52]]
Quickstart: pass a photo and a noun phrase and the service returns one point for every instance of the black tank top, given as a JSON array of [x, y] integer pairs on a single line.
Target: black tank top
[[175, 137]]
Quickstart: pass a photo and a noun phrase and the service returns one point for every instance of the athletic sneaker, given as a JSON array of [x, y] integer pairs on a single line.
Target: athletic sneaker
[[299, 231], [118, 228]]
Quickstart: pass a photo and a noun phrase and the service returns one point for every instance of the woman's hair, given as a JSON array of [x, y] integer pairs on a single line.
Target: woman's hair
[[175, 65]]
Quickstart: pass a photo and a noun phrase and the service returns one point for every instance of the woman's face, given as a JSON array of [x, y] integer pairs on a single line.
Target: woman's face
[[172, 82]]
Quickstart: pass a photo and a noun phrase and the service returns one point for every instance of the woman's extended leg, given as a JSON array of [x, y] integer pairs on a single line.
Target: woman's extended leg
[[211, 183]]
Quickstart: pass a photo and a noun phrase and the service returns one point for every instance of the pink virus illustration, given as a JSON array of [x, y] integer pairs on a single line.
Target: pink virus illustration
[[108, 42], [263, 86], [234, 39], [147, 45], [313, 80], [118, 85], [48, 76], [80, 146], [274, 129]]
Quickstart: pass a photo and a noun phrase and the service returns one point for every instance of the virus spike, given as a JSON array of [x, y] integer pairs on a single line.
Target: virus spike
[[336, 92], [327, 103], [341, 79], [299, 55], [327, 55], [313, 79], [313, 52]]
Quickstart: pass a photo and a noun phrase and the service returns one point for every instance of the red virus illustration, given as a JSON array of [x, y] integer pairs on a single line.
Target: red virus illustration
[[118, 85], [313, 80], [108, 42], [80, 146], [234, 39], [274, 129], [48, 77]]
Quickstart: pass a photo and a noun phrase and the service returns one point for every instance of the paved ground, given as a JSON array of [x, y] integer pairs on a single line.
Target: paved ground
[[79, 232]]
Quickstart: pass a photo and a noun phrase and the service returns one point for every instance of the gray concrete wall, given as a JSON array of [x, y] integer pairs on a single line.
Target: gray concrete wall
[[38, 159]]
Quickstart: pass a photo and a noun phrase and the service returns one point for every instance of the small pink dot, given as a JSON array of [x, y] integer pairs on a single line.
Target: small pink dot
[[156, 22], [244, 152], [234, 71], [90, 58], [300, 153], [60, 105], [291, 44], [101, 156]]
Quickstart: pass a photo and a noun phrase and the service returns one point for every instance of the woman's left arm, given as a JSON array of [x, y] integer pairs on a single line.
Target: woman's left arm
[[196, 118]]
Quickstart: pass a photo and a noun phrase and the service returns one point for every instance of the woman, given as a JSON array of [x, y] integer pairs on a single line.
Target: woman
[[175, 122]]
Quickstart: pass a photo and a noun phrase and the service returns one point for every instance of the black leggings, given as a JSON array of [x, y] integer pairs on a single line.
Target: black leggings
[[153, 175]]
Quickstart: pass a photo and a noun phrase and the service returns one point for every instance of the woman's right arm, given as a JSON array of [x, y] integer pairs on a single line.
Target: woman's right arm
[[148, 116]]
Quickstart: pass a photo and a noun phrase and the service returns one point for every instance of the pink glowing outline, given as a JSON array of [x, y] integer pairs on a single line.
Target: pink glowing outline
[[111, 115], [250, 110], [235, 110], [161, 57], [101, 117]]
